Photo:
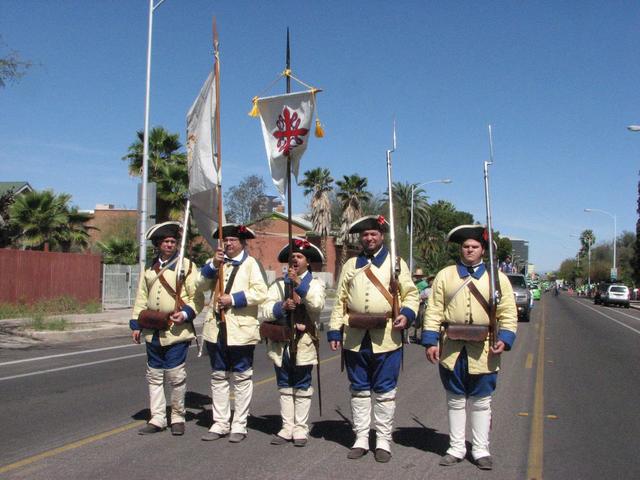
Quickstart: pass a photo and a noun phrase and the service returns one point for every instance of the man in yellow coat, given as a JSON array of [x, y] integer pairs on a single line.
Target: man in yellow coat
[[468, 367], [305, 303], [166, 347], [231, 344], [361, 321]]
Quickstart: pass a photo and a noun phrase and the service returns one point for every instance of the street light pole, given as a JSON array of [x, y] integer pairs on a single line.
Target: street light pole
[[413, 189], [615, 232], [145, 143]]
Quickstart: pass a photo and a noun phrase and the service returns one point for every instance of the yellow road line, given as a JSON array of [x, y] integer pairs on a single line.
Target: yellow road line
[[529, 362], [536, 450], [94, 438], [70, 446]]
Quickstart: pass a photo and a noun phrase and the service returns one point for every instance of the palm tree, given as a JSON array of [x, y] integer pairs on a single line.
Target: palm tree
[[352, 195], [317, 183], [402, 212], [167, 168], [77, 233], [118, 250], [44, 220], [163, 148]]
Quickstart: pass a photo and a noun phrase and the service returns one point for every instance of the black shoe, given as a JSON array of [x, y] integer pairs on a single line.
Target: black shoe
[[177, 429], [382, 456], [356, 453], [299, 442], [278, 440], [149, 428], [237, 437], [449, 460], [211, 436], [484, 463]]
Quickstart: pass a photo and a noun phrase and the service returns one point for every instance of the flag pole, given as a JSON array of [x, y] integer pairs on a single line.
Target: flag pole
[[217, 141], [289, 214]]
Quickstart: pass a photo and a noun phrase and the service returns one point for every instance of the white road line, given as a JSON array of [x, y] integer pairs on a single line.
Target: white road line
[[619, 310], [69, 367], [81, 352], [607, 316], [41, 372]]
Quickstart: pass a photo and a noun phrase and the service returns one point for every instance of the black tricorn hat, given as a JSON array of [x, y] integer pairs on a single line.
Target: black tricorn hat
[[370, 222], [164, 230], [465, 232], [235, 230], [300, 245]]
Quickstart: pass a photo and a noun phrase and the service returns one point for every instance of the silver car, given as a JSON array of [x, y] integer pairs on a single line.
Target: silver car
[[616, 295], [522, 295]]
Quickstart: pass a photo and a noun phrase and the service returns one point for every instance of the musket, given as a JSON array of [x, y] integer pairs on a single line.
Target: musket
[[180, 275], [494, 297], [395, 265]]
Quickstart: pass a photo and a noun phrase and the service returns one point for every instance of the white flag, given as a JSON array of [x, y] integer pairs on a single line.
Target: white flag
[[204, 177], [286, 123]]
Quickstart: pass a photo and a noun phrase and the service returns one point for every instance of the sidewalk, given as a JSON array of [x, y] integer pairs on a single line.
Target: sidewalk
[[15, 333]]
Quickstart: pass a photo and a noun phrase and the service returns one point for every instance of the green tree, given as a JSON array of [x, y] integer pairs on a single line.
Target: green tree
[[351, 194], [167, 169], [317, 183], [117, 250], [44, 221], [6, 230]]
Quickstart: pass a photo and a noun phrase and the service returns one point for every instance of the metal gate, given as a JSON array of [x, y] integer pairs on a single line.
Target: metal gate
[[119, 286]]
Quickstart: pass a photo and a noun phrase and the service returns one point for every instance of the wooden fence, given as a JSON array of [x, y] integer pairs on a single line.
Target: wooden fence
[[28, 275]]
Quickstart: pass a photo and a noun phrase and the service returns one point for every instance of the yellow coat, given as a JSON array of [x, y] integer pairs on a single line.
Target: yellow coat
[[460, 310], [153, 296], [356, 293], [243, 327], [314, 302]]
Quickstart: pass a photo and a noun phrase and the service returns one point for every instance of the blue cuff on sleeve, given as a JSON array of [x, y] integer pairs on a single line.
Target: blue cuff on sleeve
[[190, 313], [430, 339], [209, 271], [410, 314], [278, 312], [133, 325], [239, 300], [302, 289], [507, 337], [334, 335]]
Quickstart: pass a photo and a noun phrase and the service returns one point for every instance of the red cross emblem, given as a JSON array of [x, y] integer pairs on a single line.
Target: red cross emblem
[[289, 133]]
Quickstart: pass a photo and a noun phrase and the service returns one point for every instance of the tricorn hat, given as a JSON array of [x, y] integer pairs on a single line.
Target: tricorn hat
[[235, 230], [300, 245], [164, 230], [370, 222], [418, 273], [465, 232]]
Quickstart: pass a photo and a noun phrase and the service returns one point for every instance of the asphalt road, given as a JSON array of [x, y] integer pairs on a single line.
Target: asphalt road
[[565, 408]]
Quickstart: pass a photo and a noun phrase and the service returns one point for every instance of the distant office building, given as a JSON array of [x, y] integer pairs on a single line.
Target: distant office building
[[520, 254]]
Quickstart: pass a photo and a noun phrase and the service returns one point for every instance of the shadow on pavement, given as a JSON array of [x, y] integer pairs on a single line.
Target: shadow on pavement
[[422, 437], [269, 424], [337, 431]]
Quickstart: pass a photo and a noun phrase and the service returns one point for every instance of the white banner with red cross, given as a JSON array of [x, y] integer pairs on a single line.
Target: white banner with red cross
[[286, 123]]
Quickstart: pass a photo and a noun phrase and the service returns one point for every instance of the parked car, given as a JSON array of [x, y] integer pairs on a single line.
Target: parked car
[[598, 291], [536, 293], [616, 295], [522, 295]]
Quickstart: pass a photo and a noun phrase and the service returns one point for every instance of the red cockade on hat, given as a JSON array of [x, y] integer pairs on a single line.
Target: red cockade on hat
[[381, 220], [485, 235], [242, 229], [302, 244]]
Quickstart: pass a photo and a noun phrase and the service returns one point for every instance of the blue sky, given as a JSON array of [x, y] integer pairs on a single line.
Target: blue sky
[[558, 80]]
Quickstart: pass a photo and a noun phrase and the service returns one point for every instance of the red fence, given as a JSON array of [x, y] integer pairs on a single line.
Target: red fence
[[28, 275]]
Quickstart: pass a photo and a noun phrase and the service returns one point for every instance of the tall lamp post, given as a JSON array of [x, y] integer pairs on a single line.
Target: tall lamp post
[[615, 235], [413, 189], [145, 142]]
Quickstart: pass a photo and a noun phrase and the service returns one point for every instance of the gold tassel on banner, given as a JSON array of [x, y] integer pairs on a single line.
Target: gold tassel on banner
[[319, 129], [254, 111]]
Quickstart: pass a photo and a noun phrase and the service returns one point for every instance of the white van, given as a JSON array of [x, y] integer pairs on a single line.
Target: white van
[[616, 295]]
